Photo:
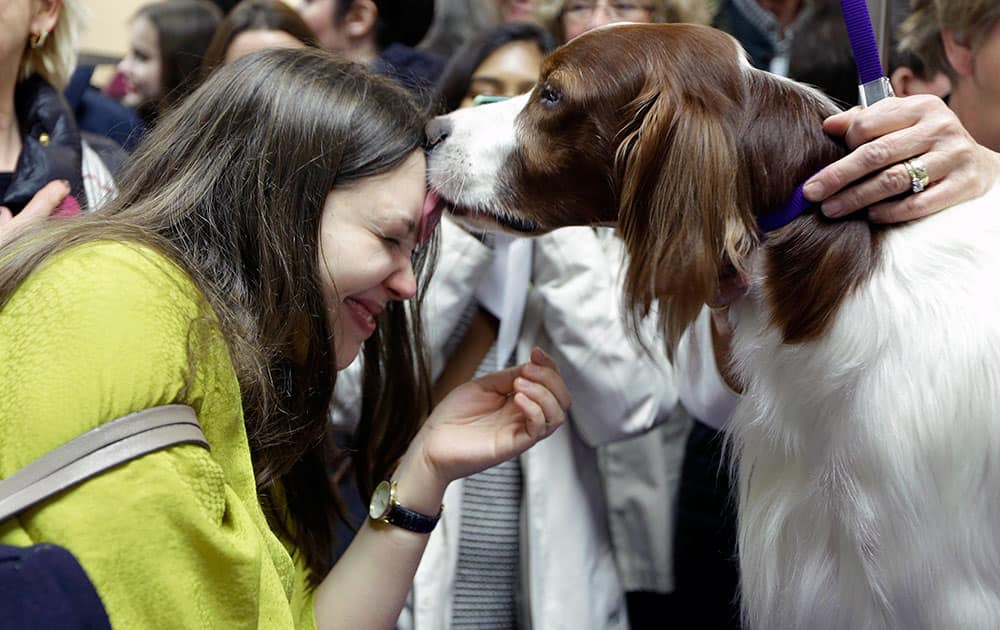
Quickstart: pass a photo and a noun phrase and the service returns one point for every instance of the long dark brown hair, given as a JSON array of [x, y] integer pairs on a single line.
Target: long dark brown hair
[[231, 186]]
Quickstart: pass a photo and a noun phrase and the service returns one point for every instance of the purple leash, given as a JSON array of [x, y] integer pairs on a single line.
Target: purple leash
[[873, 87], [873, 84]]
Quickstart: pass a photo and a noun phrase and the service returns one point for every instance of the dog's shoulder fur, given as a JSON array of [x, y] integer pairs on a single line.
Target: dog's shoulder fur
[[869, 458]]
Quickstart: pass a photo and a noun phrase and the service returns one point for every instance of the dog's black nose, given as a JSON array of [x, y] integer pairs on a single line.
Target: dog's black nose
[[437, 130]]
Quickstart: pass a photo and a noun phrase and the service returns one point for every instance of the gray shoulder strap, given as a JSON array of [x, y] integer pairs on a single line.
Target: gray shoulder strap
[[116, 442]]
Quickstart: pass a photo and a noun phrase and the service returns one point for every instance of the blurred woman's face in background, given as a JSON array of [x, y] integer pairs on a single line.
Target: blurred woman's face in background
[[986, 68], [580, 16], [259, 39], [319, 17], [510, 70], [142, 66], [517, 10]]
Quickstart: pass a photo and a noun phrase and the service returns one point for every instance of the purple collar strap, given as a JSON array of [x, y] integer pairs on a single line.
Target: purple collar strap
[[796, 206], [874, 87]]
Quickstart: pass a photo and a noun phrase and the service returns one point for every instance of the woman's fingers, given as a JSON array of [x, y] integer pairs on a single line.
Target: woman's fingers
[[552, 413], [542, 369], [885, 185], [41, 206], [537, 427], [45, 201], [879, 146], [915, 206], [887, 116], [888, 132], [886, 135], [539, 357]]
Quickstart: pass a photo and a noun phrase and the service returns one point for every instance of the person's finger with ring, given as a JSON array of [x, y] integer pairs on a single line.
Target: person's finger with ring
[[917, 171]]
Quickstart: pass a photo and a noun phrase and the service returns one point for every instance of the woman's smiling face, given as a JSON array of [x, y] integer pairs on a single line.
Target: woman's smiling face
[[367, 236]]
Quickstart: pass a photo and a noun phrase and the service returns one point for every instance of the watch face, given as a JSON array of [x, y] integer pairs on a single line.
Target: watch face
[[380, 500]]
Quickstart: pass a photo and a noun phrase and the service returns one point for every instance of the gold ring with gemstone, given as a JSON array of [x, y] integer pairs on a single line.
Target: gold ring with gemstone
[[918, 174]]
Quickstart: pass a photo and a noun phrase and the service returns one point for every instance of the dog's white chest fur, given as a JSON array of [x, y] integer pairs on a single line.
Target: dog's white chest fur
[[870, 459]]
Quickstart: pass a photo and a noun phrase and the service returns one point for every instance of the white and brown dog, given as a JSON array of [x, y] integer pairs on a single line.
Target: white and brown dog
[[868, 439]]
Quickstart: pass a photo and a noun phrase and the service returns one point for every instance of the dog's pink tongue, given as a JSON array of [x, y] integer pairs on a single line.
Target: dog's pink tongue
[[431, 215]]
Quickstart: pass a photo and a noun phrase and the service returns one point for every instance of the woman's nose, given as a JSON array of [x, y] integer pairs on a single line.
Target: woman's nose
[[402, 284], [601, 16]]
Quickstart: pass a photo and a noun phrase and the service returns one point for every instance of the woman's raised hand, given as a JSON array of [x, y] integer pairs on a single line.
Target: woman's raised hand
[[485, 422]]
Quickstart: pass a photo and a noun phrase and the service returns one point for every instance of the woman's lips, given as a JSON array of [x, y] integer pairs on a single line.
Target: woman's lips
[[363, 316], [519, 10]]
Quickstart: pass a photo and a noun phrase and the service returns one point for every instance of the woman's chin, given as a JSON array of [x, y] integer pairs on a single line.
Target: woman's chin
[[346, 357], [132, 99]]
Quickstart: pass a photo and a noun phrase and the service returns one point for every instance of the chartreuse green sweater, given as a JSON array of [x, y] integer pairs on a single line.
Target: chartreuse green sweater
[[175, 539]]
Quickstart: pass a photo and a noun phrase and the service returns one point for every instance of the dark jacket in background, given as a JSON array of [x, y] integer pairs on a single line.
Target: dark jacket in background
[[816, 44], [416, 70]]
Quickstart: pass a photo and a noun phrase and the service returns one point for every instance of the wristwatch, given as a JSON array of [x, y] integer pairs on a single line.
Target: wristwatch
[[386, 508]]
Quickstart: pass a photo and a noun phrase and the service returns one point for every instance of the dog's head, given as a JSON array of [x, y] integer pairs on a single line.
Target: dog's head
[[664, 130]]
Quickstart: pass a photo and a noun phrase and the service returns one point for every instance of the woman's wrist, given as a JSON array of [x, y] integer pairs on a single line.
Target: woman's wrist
[[419, 487]]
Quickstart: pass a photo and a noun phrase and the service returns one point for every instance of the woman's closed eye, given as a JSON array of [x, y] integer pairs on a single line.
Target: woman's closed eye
[[398, 242]]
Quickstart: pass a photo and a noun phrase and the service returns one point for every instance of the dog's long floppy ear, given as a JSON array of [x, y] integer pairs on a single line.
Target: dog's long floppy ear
[[682, 214]]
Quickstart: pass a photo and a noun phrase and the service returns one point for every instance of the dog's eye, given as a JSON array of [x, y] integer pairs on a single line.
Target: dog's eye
[[549, 95]]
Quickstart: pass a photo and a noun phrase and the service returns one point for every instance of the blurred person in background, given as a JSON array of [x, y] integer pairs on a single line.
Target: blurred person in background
[[167, 41], [568, 18], [962, 39], [456, 22], [381, 34], [805, 40], [517, 10], [41, 147], [906, 70], [254, 25]]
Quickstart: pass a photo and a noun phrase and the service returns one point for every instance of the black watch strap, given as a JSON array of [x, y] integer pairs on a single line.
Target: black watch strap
[[410, 520]]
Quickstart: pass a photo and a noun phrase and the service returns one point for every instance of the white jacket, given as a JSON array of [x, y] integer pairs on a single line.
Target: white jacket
[[702, 389], [573, 311]]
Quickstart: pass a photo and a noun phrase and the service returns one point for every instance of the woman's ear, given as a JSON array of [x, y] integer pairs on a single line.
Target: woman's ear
[[959, 54], [901, 79], [906, 83], [46, 15]]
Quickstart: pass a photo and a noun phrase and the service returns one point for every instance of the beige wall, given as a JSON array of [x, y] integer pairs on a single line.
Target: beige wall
[[106, 32], [107, 25]]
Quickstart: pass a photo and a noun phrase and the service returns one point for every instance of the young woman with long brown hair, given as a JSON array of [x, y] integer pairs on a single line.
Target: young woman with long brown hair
[[264, 234]]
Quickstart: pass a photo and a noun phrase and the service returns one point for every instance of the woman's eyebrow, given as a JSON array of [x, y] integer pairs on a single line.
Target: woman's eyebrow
[[485, 79]]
